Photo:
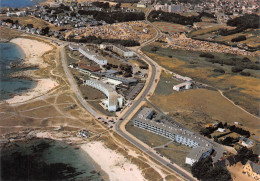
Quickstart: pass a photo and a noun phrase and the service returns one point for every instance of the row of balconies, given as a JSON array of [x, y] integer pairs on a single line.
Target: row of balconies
[[167, 134]]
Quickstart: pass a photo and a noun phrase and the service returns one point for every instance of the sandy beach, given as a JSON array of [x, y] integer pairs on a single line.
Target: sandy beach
[[34, 51], [42, 87], [113, 163]]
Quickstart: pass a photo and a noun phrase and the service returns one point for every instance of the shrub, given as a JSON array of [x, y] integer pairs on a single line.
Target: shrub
[[236, 69], [207, 55], [154, 49], [245, 59], [239, 38], [245, 73], [219, 70]]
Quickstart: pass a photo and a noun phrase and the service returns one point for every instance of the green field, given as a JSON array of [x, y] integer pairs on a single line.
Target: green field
[[165, 85], [252, 35], [189, 63]]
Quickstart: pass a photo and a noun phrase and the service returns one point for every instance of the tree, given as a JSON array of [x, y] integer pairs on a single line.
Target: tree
[[228, 141], [45, 30], [239, 38], [220, 125], [30, 25], [9, 21], [205, 131], [118, 5], [207, 55], [201, 168], [237, 68], [218, 174], [219, 70], [245, 154], [154, 49]]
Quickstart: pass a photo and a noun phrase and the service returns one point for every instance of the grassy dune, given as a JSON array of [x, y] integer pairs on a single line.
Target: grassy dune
[[195, 108], [241, 89]]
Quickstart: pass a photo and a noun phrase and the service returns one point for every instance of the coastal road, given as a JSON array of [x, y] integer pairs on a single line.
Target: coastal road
[[73, 84], [134, 106], [141, 98], [129, 111]]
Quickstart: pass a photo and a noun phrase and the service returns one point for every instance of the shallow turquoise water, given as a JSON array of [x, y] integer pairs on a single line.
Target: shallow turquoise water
[[44, 159], [10, 52]]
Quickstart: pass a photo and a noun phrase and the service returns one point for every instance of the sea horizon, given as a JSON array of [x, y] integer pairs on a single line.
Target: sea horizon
[[19, 3]]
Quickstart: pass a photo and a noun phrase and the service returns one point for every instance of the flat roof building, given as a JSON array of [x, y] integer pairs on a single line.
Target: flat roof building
[[73, 47], [246, 142], [201, 148], [119, 49], [92, 56], [122, 79], [252, 170], [182, 86], [122, 51], [112, 102]]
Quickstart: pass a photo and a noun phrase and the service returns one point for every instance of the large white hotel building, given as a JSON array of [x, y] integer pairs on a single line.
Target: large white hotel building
[[201, 148], [113, 101]]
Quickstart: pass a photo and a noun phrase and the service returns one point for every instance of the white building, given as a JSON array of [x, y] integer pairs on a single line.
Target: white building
[[177, 76], [73, 47], [170, 8], [141, 5], [92, 56], [182, 86], [119, 49], [113, 101], [54, 4], [197, 153], [201, 148], [19, 13], [221, 130], [246, 142]]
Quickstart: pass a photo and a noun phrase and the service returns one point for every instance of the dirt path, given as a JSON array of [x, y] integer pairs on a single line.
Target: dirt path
[[221, 93]]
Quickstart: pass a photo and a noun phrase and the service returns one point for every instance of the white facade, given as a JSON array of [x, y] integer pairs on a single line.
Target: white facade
[[113, 101], [177, 76], [141, 5], [171, 8], [19, 13], [182, 86], [119, 49], [221, 130], [92, 56], [201, 148], [246, 142], [73, 47], [190, 161]]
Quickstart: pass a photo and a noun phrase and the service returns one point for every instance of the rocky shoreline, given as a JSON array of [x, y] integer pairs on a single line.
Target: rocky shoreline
[[69, 137], [25, 72], [30, 146], [2, 40], [21, 65]]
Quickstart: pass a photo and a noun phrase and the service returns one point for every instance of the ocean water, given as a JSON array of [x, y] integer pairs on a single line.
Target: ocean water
[[18, 3], [10, 52], [44, 159]]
